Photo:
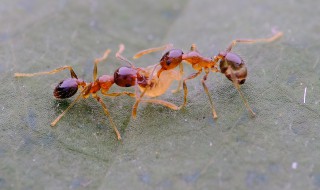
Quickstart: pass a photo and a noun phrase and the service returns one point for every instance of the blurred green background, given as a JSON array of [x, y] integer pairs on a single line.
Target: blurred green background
[[161, 149]]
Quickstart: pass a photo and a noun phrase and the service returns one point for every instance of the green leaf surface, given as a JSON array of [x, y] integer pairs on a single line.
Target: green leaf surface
[[162, 148]]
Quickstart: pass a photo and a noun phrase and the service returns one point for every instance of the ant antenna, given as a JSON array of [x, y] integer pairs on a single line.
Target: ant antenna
[[119, 56]]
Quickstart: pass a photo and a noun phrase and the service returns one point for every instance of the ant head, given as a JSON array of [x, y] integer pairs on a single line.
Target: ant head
[[171, 59], [232, 66], [66, 88], [125, 76], [105, 82]]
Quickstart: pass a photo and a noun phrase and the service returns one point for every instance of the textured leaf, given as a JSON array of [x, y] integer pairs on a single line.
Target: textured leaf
[[161, 149]]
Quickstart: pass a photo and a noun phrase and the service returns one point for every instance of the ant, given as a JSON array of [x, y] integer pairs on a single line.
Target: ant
[[125, 76], [226, 62]]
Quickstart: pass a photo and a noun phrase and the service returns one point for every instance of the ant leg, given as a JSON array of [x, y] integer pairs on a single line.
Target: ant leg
[[185, 89], [251, 41], [181, 80], [151, 50], [214, 113], [237, 86], [72, 73], [65, 111], [82, 93], [161, 102], [97, 61], [109, 117], [136, 104], [115, 94]]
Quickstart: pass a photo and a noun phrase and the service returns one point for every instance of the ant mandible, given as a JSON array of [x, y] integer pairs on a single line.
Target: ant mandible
[[226, 62], [125, 76]]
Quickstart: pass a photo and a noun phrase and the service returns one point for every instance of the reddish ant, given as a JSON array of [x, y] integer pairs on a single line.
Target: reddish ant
[[226, 62], [124, 77]]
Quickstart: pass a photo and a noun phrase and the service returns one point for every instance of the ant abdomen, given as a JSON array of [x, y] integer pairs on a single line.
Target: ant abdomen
[[125, 76], [171, 59], [66, 88], [232, 65]]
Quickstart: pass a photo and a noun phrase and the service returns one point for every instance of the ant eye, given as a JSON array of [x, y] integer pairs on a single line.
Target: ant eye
[[171, 59], [66, 88], [125, 76]]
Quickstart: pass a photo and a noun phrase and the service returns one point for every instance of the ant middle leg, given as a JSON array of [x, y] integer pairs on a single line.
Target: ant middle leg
[[214, 113], [72, 73], [115, 94], [251, 41]]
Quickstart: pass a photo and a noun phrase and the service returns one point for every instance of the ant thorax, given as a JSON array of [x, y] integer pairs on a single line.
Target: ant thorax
[[157, 85]]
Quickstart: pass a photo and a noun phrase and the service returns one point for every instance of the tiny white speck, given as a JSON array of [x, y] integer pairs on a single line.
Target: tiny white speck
[[210, 143], [304, 95], [34, 160], [294, 165], [2, 108], [185, 120]]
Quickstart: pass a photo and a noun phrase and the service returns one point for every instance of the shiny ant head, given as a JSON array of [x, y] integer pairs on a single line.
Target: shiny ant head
[[170, 60], [232, 64], [66, 88], [125, 76]]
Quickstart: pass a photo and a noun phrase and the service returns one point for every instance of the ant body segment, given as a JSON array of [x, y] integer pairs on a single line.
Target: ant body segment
[[226, 62], [125, 76]]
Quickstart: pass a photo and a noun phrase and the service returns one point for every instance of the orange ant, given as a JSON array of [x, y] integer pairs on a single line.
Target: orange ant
[[226, 62], [125, 76]]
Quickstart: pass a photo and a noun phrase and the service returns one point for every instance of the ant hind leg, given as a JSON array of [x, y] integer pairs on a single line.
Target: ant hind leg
[[106, 111], [72, 73]]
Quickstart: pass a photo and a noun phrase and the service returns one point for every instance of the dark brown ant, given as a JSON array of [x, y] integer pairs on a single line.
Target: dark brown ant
[[126, 76], [226, 62]]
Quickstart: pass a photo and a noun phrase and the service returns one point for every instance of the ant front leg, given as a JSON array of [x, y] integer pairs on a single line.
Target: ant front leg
[[237, 86], [185, 89], [251, 41], [181, 80], [214, 113], [138, 99], [72, 73], [151, 50]]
